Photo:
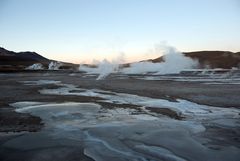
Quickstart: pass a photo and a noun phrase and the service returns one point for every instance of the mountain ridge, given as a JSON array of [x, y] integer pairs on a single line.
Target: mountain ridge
[[10, 60], [206, 59], [210, 59]]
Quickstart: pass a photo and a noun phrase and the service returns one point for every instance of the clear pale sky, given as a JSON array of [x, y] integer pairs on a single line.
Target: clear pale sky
[[81, 30]]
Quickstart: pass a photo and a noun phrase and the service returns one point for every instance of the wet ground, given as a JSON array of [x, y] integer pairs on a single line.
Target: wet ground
[[72, 116]]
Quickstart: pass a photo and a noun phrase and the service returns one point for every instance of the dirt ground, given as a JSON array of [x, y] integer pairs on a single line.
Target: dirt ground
[[13, 90]]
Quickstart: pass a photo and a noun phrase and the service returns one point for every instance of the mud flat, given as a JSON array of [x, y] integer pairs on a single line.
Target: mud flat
[[72, 116]]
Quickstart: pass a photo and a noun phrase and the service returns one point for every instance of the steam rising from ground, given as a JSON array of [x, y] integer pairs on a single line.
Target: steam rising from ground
[[173, 62], [37, 66], [104, 67], [54, 65]]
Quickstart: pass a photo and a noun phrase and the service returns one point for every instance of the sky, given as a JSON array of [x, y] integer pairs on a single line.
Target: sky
[[79, 31]]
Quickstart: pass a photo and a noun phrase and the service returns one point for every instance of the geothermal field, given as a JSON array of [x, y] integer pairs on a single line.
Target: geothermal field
[[172, 108], [119, 80], [71, 116]]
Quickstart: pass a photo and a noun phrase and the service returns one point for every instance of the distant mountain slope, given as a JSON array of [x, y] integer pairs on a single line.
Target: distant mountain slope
[[211, 59], [216, 59], [21, 58], [10, 60]]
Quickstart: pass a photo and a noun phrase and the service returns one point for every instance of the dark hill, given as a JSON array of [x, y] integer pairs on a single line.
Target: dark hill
[[20, 59], [10, 60], [216, 59], [211, 59]]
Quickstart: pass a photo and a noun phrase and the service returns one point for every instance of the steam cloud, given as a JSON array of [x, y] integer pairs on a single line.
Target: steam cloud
[[173, 62], [105, 67], [54, 65], [37, 66]]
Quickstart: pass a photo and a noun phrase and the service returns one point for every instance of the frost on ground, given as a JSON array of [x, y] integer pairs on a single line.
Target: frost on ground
[[204, 76], [182, 107], [128, 133], [120, 135], [41, 82]]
